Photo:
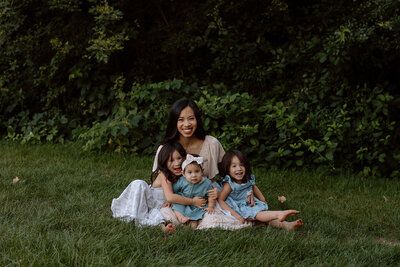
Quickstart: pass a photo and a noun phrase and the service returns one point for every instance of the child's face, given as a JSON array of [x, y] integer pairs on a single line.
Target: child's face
[[174, 163], [193, 173], [236, 169]]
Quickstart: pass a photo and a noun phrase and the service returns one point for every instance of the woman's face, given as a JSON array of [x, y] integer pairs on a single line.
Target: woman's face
[[187, 122], [174, 163]]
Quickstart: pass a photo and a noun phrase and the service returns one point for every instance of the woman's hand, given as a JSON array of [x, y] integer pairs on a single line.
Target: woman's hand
[[199, 202], [213, 193]]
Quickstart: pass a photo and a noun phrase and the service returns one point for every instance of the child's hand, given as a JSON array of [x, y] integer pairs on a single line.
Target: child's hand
[[210, 210], [199, 202], [250, 199], [166, 205], [240, 218], [213, 193]]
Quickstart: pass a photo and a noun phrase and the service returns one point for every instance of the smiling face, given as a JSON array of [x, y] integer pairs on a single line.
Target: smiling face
[[187, 122], [237, 169], [174, 163], [193, 173]]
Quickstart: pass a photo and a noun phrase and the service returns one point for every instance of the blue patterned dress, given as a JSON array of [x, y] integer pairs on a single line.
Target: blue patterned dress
[[186, 189], [237, 199]]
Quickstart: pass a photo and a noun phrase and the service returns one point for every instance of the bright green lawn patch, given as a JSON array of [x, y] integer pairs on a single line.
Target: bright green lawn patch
[[59, 214]]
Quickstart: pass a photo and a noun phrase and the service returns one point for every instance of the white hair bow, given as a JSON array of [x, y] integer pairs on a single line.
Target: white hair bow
[[190, 158]]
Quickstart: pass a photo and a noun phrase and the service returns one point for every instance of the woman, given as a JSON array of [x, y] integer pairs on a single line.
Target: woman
[[185, 126]]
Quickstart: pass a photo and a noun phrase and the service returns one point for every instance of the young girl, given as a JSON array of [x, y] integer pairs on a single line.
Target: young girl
[[192, 183], [141, 202], [239, 184]]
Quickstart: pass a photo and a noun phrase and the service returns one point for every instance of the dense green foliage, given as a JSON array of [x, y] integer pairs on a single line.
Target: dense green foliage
[[292, 83], [58, 214]]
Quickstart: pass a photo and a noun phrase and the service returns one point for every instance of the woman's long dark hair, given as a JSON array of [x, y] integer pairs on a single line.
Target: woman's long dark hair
[[171, 133], [225, 164], [163, 157]]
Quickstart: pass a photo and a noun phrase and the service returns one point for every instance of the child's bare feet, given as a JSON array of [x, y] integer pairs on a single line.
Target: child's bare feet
[[183, 219], [168, 229], [286, 213], [291, 226]]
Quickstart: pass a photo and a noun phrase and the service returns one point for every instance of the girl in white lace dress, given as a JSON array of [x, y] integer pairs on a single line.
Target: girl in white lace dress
[[141, 202]]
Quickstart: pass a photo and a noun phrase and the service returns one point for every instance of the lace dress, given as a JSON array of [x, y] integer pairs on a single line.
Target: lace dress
[[139, 202]]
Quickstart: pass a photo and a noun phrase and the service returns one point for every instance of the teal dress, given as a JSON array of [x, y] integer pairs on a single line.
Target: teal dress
[[186, 189], [237, 199]]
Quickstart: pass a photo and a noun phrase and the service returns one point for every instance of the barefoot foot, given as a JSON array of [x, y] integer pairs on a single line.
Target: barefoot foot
[[287, 213], [184, 220], [168, 229], [291, 226]]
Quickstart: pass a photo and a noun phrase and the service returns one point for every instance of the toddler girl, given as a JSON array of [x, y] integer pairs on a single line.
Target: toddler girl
[[191, 184], [239, 184]]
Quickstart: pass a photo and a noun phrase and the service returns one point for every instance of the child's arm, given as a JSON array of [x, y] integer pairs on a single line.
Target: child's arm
[[258, 194], [213, 192], [226, 190], [211, 205], [171, 197]]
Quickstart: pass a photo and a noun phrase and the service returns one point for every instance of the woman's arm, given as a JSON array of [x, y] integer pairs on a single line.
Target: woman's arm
[[258, 194], [226, 190], [213, 152], [171, 197]]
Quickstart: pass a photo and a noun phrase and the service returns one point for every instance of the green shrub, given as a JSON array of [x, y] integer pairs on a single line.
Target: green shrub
[[138, 118]]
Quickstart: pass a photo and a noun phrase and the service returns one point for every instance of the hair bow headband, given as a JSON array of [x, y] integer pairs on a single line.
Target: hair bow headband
[[190, 158]]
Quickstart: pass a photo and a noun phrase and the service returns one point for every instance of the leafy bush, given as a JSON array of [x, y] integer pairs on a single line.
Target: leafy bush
[[137, 122]]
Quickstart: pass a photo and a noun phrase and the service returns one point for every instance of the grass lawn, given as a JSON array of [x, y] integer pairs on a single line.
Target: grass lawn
[[58, 213]]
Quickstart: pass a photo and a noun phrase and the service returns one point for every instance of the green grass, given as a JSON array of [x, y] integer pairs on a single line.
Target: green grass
[[59, 214]]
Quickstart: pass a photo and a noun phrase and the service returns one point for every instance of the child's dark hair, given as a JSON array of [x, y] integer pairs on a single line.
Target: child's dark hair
[[171, 133], [163, 156], [225, 164]]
